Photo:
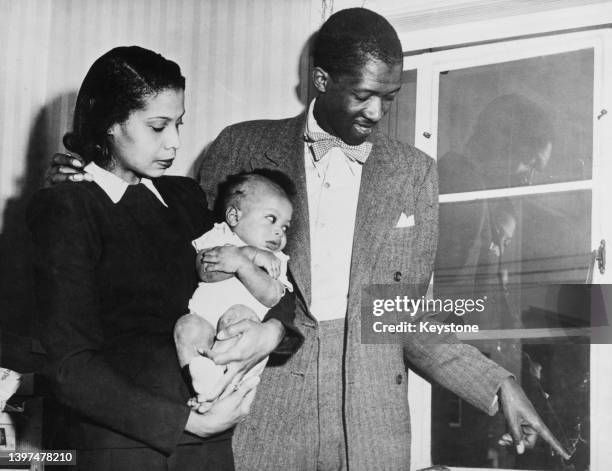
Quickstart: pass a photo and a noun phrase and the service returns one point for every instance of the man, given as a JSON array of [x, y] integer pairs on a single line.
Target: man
[[338, 403], [353, 184]]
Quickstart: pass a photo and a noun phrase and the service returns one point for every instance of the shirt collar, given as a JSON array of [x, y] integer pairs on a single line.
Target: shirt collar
[[114, 186], [320, 142], [313, 127]]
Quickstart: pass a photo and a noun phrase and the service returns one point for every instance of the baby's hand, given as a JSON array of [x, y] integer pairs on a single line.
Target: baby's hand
[[226, 258], [268, 261]]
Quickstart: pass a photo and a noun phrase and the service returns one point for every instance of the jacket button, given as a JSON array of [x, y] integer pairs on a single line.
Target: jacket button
[[397, 276], [399, 379]]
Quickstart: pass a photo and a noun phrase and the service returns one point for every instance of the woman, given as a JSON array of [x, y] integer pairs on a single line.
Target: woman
[[115, 269]]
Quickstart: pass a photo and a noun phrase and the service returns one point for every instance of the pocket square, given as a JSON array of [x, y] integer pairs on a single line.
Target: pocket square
[[405, 221]]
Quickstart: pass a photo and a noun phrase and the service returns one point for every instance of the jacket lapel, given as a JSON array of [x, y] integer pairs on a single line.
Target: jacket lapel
[[375, 207], [375, 212], [285, 153]]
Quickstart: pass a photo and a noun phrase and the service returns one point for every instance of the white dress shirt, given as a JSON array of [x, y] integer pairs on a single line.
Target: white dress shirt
[[114, 186], [332, 187]]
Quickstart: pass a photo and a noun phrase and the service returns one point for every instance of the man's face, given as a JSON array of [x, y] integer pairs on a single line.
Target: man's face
[[525, 171], [351, 105]]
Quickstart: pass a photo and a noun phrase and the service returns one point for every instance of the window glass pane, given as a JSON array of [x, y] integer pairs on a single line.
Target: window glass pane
[[524, 122], [399, 122], [516, 123], [514, 252], [554, 376], [511, 251]]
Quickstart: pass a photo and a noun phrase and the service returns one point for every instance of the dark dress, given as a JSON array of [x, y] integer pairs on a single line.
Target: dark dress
[[111, 280]]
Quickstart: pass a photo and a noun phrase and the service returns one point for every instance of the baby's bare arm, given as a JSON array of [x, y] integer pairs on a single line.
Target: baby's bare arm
[[250, 265], [266, 289], [259, 276], [263, 259], [205, 274]]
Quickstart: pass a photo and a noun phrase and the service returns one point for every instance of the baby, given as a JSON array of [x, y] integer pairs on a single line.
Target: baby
[[243, 274]]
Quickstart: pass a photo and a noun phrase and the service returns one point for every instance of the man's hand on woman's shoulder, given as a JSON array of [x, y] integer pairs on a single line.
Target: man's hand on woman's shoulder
[[66, 168]]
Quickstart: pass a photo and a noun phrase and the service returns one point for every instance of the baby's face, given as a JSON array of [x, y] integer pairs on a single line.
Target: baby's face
[[264, 218]]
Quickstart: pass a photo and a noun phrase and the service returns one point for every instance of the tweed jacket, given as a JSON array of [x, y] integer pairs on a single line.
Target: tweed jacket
[[396, 179]]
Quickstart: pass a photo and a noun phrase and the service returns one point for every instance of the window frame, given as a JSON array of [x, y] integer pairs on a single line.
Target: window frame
[[428, 66]]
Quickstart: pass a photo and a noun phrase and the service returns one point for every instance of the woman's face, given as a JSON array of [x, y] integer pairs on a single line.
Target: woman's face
[[145, 144]]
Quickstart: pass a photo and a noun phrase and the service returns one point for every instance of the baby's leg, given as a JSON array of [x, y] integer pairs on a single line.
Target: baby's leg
[[234, 314], [192, 333], [205, 377]]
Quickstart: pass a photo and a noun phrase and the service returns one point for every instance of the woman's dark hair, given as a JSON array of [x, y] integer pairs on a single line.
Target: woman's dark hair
[[349, 38], [118, 83]]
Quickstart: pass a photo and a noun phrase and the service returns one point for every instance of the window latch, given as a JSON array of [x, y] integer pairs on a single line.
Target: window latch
[[600, 256]]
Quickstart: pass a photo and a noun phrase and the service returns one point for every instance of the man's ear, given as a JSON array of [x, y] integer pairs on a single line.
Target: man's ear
[[320, 79], [232, 215]]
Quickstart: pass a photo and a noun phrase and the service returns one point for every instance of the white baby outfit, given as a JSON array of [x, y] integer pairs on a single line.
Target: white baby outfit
[[212, 300]]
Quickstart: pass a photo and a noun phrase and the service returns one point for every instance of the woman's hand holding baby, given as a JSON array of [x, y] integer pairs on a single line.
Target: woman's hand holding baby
[[225, 412], [226, 259], [255, 341], [240, 261], [231, 259]]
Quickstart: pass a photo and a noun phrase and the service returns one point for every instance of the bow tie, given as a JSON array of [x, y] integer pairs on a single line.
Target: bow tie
[[321, 143]]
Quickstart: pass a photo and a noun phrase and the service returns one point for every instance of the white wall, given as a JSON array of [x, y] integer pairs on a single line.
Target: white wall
[[240, 57]]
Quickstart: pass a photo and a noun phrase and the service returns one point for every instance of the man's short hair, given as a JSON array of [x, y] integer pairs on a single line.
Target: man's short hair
[[349, 38]]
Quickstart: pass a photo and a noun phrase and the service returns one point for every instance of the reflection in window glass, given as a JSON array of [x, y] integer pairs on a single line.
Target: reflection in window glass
[[516, 123], [514, 252], [491, 247], [556, 380]]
